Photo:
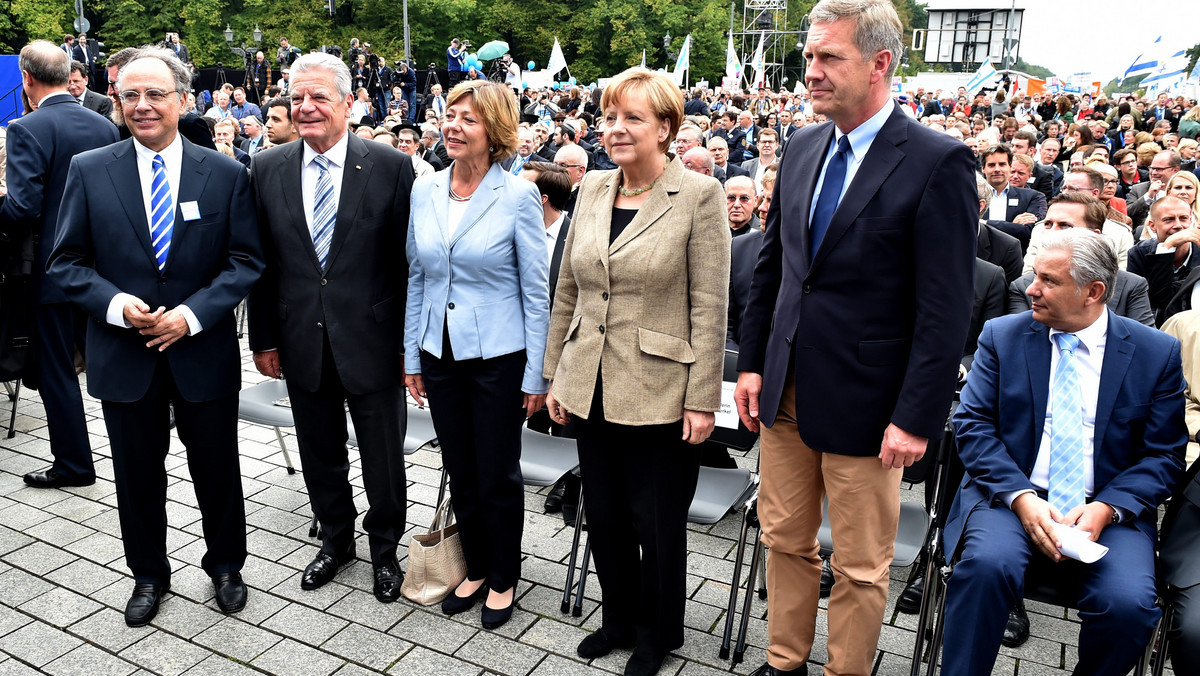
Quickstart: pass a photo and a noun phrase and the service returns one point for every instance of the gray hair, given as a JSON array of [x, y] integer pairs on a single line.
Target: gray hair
[[981, 184], [179, 73], [877, 27], [326, 62], [1092, 257], [431, 132], [45, 63]]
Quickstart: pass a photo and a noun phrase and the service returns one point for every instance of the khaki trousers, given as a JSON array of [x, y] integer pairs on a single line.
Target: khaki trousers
[[864, 509]]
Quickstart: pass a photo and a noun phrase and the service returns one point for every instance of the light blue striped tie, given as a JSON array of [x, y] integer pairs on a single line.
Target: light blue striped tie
[[324, 211], [162, 212], [1066, 432]]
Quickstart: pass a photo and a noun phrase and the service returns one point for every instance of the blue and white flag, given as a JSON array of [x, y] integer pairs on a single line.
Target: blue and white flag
[[982, 76], [683, 63], [1146, 62], [643, 58], [1169, 75], [733, 65]]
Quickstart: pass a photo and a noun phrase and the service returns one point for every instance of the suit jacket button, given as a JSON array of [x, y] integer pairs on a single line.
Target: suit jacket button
[[162, 281], [320, 325], [601, 328], [451, 306], [808, 288], [324, 281], [604, 295]]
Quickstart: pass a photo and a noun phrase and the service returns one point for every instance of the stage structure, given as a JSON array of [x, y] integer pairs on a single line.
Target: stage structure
[[765, 20], [964, 33]]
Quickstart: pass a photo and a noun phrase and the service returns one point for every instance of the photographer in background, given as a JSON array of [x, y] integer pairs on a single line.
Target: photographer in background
[[456, 60], [406, 79], [379, 81], [286, 54]]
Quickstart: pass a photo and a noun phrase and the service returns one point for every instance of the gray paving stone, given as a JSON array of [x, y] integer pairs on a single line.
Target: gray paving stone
[[420, 660], [555, 637], [77, 509], [37, 497], [39, 558], [59, 531], [263, 574], [38, 644], [11, 539], [438, 632], [21, 516], [185, 618], [60, 607], [11, 667], [500, 654], [83, 576], [108, 630], [237, 639], [554, 665], [319, 599], [362, 607], [289, 658], [215, 665], [304, 624], [164, 654], [269, 545], [99, 547], [12, 620], [547, 602], [367, 647], [17, 587], [90, 660]]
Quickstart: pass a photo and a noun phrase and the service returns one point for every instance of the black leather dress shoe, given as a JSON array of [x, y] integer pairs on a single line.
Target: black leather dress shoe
[[768, 670], [600, 643], [644, 662], [323, 568], [50, 478], [143, 604], [231, 592], [554, 499], [388, 579], [826, 578], [1016, 630], [909, 602], [455, 604]]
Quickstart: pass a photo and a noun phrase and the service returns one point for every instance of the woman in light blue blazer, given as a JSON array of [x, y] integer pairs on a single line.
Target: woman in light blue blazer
[[475, 332]]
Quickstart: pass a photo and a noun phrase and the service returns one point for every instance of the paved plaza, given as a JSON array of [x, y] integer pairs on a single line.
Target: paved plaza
[[63, 586]]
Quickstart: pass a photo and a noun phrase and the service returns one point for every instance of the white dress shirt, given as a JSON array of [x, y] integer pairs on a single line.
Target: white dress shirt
[[310, 172], [998, 210], [1089, 361], [172, 157], [861, 138], [454, 215], [552, 238]]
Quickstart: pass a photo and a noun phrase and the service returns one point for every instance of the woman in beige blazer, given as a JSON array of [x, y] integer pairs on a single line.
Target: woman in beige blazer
[[635, 352]]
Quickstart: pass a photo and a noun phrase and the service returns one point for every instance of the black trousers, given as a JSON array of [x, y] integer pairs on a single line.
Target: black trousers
[[638, 482], [60, 326], [380, 421], [140, 434], [477, 411]]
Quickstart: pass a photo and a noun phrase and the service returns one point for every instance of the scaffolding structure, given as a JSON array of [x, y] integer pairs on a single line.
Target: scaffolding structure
[[765, 20]]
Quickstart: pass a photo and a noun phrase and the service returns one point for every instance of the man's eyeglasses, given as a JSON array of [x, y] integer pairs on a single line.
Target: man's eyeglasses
[[152, 96], [744, 199], [564, 165]]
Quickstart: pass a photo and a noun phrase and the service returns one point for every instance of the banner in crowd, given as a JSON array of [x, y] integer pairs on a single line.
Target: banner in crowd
[[733, 65], [683, 63], [557, 61]]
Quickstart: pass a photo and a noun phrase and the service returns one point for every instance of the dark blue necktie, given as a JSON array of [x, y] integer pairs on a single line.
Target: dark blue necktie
[[831, 192]]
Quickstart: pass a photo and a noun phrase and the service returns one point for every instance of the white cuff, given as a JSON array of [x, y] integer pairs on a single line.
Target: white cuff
[[1163, 249], [116, 310], [194, 325], [1013, 495]]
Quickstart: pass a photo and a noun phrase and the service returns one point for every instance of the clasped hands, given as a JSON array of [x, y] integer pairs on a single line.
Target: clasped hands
[[1038, 519], [532, 403], [167, 326]]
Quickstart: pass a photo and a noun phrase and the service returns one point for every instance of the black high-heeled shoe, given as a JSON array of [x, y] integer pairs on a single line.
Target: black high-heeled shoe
[[493, 618], [455, 604]]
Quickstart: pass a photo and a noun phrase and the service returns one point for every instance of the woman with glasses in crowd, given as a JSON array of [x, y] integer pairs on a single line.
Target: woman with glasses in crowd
[[636, 351], [475, 332]]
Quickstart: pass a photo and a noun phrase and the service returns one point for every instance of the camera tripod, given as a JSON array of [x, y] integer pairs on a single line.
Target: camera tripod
[[431, 79]]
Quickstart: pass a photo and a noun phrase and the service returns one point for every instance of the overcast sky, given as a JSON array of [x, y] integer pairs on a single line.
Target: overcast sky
[[1103, 36]]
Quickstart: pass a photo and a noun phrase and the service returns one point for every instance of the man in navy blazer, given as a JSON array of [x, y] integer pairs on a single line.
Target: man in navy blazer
[[1114, 389], [1012, 210], [158, 242], [851, 367], [40, 148]]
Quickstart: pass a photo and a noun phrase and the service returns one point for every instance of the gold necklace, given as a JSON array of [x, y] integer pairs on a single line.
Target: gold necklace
[[634, 192]]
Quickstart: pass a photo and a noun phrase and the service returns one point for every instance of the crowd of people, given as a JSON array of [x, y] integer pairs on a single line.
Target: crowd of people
[[565, 259]]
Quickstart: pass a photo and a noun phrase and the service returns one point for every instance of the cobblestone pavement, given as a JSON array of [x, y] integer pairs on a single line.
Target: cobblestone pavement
[[63, 587]]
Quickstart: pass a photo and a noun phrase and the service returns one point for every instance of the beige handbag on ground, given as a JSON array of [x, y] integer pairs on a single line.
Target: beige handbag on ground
[[435, 560]]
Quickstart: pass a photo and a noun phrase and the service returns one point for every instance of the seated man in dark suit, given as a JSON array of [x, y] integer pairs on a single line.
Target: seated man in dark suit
[[1166, 260], [1130, 297], [1013, 210], [1042, 178], [1114, 453]]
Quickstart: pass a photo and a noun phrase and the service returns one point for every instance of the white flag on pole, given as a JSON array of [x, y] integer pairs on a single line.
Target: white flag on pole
[[557, 61], [643, 58], [758, 64], [683, 63], [982, 76], [733, 65]]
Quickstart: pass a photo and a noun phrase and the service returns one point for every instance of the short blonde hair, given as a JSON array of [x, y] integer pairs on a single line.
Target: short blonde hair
[[495, 104], [665, 99]]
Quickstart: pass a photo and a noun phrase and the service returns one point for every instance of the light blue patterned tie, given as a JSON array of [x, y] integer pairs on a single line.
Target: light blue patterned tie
[[324, 211], [162, 212], [1066, 433]]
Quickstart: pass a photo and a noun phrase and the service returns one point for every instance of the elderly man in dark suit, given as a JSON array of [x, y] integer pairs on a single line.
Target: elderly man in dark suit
[[847, 400], [40, 148], [1113, 390], [158, 242], [329, 313]]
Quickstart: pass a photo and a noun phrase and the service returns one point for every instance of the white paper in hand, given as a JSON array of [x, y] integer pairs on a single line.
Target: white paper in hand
[[1076, 545], [727, 416]]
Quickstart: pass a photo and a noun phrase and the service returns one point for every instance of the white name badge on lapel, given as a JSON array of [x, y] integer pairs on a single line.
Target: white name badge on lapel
[[1012, 201], [191, 211]]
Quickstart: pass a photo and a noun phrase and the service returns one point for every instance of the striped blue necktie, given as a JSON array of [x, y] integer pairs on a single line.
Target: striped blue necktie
[[324, 210], [1066, 432], [162, 212]]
